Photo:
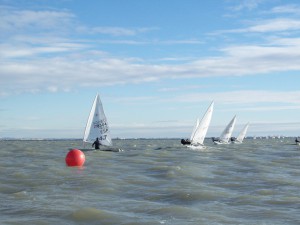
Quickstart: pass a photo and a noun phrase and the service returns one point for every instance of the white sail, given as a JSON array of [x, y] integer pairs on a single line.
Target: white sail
[[226, 134], [242, 135], [97, 126], [195, 128], [201, 129]]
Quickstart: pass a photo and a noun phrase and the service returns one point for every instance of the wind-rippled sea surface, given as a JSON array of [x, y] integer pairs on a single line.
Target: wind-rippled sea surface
[[151, 182]]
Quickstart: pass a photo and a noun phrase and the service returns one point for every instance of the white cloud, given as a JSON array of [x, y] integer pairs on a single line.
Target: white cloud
[[266, 26], [153, 42], [242, 97], [274, 25], [247, 4], [113, 31], [13, 20], [183, 88], [286, 9], [28, 62], [116, 31], [284, 41], [92, 68], [14, 51]]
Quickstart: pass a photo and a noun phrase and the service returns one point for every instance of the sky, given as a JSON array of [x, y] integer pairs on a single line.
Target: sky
[[157, 66]]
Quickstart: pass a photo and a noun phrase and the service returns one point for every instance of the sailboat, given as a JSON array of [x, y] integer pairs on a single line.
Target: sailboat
[[226, 134], [97, 127], [242, 135], [200, 130], [297, 141]]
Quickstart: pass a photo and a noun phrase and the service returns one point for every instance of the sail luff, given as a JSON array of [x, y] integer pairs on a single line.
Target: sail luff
[[89, 122]]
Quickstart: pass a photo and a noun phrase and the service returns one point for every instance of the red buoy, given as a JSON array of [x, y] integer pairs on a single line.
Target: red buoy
[[75, 157]]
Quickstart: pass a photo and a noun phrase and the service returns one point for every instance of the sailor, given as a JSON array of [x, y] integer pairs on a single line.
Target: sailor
[[296, 140], [185, 142], [232, 139], [97, 144], [215, 139]]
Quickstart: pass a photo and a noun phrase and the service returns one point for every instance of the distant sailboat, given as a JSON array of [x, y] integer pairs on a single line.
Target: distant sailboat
[[226, 134], [242, 135], [297, 141], [200, 130], [97, 127]]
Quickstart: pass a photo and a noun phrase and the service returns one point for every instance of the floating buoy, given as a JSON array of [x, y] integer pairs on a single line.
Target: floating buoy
[[75, 157]]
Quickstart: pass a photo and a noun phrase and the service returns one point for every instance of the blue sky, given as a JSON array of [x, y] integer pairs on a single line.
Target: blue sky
[[157, 65]]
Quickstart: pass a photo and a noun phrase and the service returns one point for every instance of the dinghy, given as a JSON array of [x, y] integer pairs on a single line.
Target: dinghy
[[200, 130], [226, 134], [97, 127]]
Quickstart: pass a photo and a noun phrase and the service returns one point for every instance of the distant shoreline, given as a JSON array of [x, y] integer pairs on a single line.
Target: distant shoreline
[[158, 138]]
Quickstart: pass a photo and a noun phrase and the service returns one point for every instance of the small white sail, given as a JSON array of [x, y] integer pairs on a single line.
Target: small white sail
[[242, 135], [97, 126], [226, 134], [202, 127]]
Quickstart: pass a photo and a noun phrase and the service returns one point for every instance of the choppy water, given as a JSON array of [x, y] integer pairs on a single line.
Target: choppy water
[[151, 182]]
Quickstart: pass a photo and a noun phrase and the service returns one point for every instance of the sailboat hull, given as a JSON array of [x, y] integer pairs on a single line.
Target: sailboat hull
[[221, 143], [196, 147]]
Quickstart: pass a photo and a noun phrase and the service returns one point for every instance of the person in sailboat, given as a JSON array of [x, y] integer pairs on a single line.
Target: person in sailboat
[[185, 142], [297, 140], [215, 139], [233, 139], [96, 144]]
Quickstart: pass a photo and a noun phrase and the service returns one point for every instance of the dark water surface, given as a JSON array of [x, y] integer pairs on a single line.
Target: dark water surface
[[151, 182]]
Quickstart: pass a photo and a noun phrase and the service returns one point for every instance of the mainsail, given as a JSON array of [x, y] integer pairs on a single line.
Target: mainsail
[[226, 134], [97, 126], [242, 135], [201, 128]]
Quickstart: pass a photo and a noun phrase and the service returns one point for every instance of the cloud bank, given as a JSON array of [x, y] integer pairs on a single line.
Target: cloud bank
[[46, 51]]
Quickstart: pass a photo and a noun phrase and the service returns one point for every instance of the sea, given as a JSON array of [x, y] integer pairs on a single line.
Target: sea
[[152, 181]]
